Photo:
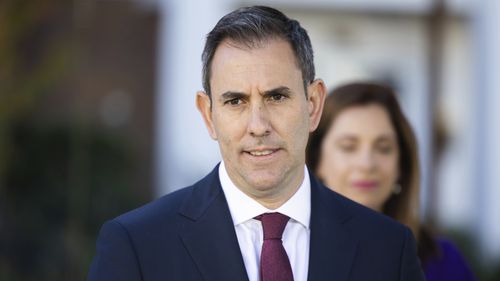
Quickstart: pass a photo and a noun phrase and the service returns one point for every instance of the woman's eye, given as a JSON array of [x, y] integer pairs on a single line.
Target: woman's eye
[[386, 149], [347, 147]]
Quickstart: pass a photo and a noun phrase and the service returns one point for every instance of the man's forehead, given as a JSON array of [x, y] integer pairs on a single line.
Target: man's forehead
[[244, 45], [272, 65], [271, 50]]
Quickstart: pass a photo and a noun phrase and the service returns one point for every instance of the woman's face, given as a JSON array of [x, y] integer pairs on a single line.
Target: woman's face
[[359, 155]]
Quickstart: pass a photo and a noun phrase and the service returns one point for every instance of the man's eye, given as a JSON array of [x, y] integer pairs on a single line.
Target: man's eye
[[277, 97], [236, 101]]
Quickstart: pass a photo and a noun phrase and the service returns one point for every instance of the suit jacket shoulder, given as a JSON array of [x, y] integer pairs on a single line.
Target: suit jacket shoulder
[[189, 235], [185, 235]]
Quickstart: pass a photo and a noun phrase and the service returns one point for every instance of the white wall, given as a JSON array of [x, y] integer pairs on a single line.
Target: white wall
[[185, 151], [487, 123]]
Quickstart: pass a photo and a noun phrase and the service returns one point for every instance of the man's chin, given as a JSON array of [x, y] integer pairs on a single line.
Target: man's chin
[[264, 183]]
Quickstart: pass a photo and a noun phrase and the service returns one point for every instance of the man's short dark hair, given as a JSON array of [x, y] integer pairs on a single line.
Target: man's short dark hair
[[251, 26]]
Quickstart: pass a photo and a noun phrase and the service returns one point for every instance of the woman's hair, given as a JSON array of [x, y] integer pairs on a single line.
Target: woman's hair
[[403, 206]]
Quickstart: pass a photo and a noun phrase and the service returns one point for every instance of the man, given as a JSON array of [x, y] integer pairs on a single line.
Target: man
[[258, 215]]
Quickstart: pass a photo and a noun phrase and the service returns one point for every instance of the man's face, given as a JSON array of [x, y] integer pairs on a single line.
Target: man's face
[[261, 117]]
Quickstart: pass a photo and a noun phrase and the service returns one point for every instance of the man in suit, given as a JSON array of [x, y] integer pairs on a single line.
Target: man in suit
[[260, 102]]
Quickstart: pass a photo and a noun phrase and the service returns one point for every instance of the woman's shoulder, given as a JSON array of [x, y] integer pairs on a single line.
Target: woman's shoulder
[[449, 264], [448, 248]]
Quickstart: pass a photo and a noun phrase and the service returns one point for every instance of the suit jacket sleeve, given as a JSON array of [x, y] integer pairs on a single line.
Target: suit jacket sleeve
[[116, 258], [411, 269]]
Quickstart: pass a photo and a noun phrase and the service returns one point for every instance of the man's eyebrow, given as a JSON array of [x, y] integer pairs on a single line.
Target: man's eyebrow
[[229, 95], [279, 90]]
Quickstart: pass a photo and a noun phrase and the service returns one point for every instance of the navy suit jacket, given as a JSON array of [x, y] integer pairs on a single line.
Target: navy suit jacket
[[189, 235]]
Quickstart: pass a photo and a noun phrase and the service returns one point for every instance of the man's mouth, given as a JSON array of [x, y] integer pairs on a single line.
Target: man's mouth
[[261, 152]]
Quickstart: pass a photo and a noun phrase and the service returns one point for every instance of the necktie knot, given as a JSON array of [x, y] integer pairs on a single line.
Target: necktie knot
[[273, 225]]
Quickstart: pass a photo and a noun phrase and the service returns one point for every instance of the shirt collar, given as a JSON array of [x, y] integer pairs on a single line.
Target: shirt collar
[[244, 208]]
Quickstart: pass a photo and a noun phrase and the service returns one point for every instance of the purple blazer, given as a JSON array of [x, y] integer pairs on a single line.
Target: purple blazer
[[450, 265]]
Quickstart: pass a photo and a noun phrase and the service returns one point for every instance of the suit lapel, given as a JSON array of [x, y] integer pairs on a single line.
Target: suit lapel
[[332, 248], [209, 236], [208, 233]]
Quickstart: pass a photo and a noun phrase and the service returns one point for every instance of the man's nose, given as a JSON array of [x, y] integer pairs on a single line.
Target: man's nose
[[259, 124]]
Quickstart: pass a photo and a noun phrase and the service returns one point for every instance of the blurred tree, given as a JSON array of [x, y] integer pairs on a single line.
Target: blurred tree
[[62, 173], [27, 70], [49, 223]]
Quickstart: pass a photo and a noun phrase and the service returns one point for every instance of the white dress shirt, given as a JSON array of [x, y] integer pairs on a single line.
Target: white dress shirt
[[296, 235]]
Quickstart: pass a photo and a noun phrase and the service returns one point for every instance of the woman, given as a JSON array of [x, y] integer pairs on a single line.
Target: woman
[[364, 148]]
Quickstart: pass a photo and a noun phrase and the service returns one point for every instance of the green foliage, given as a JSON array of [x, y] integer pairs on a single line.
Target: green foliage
[[61, 184], [58, 182], [30, 64]]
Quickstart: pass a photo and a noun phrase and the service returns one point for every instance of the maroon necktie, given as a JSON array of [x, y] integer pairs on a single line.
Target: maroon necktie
[[274, 263]]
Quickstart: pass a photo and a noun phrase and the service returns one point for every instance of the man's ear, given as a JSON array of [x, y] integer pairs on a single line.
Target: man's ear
[[204, 106], [316, 99]]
